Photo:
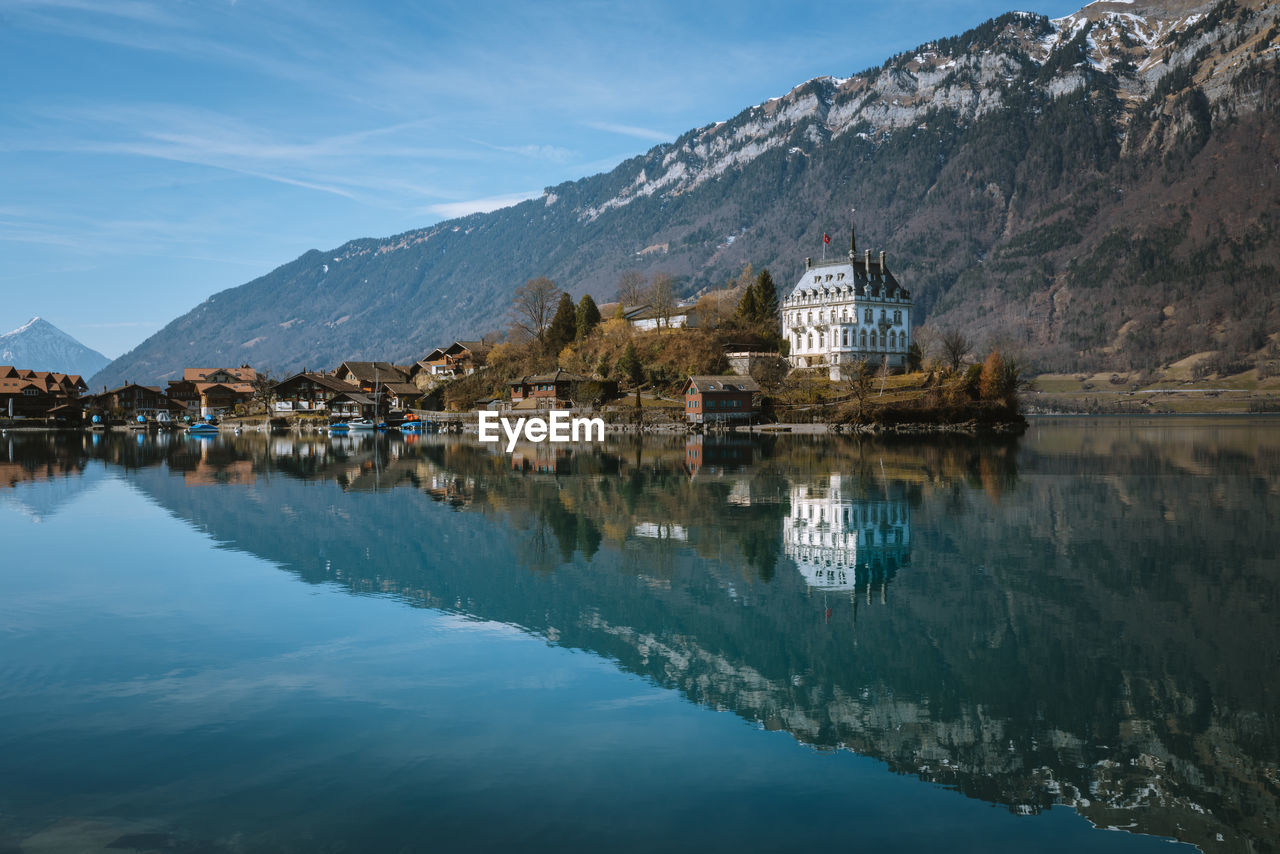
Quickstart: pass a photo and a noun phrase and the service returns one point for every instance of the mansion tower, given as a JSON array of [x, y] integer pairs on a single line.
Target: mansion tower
[[847, 310]]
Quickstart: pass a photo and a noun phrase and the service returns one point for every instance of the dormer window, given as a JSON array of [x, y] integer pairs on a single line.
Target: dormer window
[[840, 277]]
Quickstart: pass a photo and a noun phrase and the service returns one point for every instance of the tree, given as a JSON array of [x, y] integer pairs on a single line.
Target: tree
[[662, 298], [991, 384], [632, 287], [564, 325], [749, 306], [629, 365], [859, 374], [588, 316], [766, 297], [915, 357], [264, 390], [955, 346], [533, 306]]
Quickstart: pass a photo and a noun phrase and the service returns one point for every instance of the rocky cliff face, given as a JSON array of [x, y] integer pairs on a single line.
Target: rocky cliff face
[[1101, 189]]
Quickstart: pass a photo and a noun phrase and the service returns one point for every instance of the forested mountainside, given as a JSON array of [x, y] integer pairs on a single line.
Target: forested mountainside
[[1100, 190]]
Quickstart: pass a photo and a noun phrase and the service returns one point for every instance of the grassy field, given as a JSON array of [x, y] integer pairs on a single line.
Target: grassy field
[[1170, 390]]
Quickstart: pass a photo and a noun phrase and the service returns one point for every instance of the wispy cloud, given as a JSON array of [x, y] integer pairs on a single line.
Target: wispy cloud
[[632, 130], [450, 210]]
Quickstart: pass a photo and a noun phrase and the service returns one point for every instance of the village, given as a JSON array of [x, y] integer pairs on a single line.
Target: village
[[838, 349]]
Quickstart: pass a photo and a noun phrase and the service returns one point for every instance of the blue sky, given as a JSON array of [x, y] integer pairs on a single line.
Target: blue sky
[[154, 153]]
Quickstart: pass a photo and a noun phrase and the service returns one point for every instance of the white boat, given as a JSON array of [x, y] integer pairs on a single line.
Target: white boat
[[351, 426]]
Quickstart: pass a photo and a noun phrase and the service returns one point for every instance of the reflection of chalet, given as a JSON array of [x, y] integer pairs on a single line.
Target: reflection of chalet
[[841, 538], [703, 452], [39, 394]]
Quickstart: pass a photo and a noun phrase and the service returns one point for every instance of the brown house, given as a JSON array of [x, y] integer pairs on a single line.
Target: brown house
[[458, 359], [39, 394], [131, 400], [368, 375], [719, 399], [559, 388], [213, 391], [309, 391]]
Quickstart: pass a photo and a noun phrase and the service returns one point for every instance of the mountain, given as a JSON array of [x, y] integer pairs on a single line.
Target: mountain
[[41, 346], [1098, 190]]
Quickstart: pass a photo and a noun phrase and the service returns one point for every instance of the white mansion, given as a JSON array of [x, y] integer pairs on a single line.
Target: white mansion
[[847, 310]]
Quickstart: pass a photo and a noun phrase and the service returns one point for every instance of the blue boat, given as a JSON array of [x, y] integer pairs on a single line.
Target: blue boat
[[202, 428]]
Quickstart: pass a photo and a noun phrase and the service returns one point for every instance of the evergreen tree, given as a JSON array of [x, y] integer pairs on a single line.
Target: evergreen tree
[[588, 316], [766, 297], [564, 325], [629, 365], [749, 306]]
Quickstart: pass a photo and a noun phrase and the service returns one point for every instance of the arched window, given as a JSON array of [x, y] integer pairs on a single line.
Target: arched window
[[810, 340], [864, 339], [822, 340], [844, 338], [874, 340], [811, 317], [893, 341]]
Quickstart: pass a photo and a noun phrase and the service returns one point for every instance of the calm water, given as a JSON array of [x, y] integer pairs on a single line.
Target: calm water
[[269, 644]]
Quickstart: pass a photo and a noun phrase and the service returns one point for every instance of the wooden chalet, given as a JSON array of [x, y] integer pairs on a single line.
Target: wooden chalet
[[458, 359], [555, 389], [131, 400], [309, 391], [719, 399], [40, 394], [367, 376], [213, 391]]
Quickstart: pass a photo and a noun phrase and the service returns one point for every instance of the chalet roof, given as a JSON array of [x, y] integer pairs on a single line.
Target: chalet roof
[[373, 372], [476, 348], [49, 381], [238, 388], [244, 373], [328, 381], [560, 375], [648, 312], [722, 382], [402, 389]]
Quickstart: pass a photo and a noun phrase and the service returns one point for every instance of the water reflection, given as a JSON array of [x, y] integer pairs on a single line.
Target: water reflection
[[1089, 618]]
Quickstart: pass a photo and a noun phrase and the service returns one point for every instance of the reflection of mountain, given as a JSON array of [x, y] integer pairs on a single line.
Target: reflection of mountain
[[1079, 626], [841, 538], [40, 486]]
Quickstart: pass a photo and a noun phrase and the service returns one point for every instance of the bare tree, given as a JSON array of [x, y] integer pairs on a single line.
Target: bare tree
[[928, 338], [662, 298], [955, 346], [632, 288], [264, 390], [533, 305], [859, 374]]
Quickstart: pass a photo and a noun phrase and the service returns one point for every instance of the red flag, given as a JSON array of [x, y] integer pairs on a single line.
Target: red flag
[[826, 238]]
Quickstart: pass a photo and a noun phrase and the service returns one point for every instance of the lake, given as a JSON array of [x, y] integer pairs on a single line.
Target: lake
[[1064, 642]]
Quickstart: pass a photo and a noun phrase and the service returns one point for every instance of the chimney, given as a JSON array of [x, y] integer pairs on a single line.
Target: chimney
[[808, 262], [866, 261], [882, 262], [853, 239]]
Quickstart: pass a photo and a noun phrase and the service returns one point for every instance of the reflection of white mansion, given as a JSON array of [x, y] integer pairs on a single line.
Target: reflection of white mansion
[[840, 541], [847, 310]]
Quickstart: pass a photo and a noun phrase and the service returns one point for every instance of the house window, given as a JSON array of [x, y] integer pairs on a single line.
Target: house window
[[869, 316], [864, 339], [844, 338], [897, 317]]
